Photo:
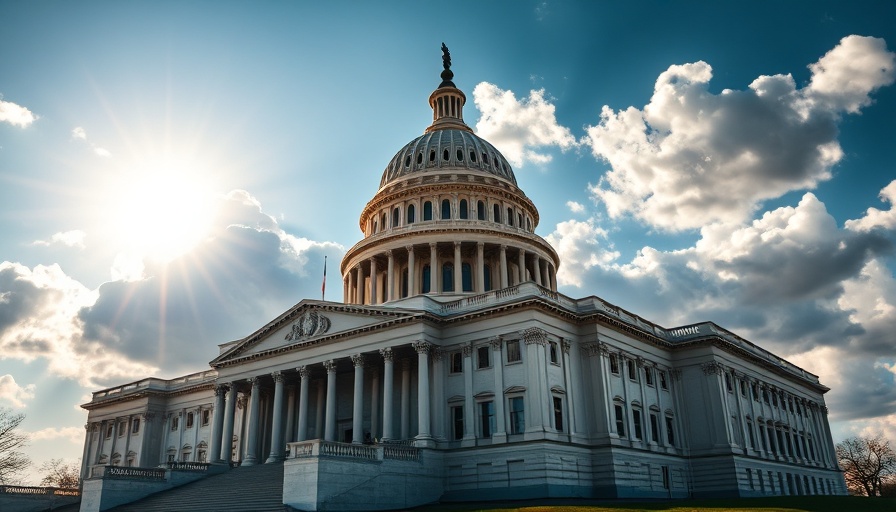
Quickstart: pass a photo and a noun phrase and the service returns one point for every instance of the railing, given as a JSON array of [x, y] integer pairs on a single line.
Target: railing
[[188, 466], [38, 491], [401, 453], [158, 384], [301, 450], [356, 451], [118, 472], [378, 452]]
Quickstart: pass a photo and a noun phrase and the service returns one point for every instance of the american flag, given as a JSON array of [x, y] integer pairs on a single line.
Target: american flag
[[323, 285]]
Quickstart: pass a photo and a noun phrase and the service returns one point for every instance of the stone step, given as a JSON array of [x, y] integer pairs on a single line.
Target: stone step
[[256, 488]]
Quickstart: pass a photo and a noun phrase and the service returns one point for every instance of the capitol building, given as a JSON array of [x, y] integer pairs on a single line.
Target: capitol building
[[454, 371]]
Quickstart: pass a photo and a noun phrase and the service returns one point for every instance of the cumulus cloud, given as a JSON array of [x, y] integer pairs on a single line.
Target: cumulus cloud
[[12, 393], [80, 133], [520, 129], [73, 238], [73, 435], [691, 157], [874, 218], [15, 115], [575, 206], [581, 246]]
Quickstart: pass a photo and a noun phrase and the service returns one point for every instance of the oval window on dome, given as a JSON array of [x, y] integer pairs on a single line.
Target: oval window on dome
[[407, 161], [445, 155], [485, 158], [432, 155], [419, 158], [472, 156], [460, 155]]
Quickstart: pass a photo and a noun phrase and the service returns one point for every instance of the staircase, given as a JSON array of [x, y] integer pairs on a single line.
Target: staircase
[[253, 488]]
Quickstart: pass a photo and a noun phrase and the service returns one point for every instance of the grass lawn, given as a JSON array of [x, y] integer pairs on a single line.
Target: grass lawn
[[772, 504]]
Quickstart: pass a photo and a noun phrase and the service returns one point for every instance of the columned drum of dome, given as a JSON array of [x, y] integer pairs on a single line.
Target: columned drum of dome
[[448, 218]]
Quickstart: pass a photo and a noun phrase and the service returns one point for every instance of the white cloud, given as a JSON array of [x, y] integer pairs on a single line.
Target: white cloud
[[102, 152], [15, 115], [691, 157], [520, 129], [79, 133], [575, 207], [14, 394], [581, 245], [73, 435], [878, 218], [73, 238]]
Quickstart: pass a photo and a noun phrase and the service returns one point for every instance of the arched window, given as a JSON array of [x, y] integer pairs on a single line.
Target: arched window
[[448, 277], [467, 276], [374, 226], [383, 220], [426, 280], [487, 278], [519, 219], [432, 155], [404, 283], [411, 214], [496, 214], [427, 210], [446, 209], [395, 217], [509, 216], [480, 210], [463, 209], [528, 224]]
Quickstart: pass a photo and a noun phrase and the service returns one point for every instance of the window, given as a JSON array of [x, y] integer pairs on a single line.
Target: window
[[412, 211], [517, 415], [383, 222], [743, 388], [666, 479], [200, 455], [670, 431], [655, 429], [135, 426], [632, 370], [446, 209], [206, 416], [513, 351], [404, 283], [457, 362], [755, 388], [648, 375], [425, 288], [463, 213], [480, 210], [620, 419], [614, 364], [558, 413], [427, 210], [466, 277], [175, 422], [636, 423], [487, 271], [448, 277], [750, 478], [728, 385], [482, 357], [396, 217], [122, 428], [108, 431], [765, 396], [519, 219], [190, 420], [457, 422], [751, 435], [496, 213], [509, 216], [555, 358], [486, 419], [663, 383], [774, 399]]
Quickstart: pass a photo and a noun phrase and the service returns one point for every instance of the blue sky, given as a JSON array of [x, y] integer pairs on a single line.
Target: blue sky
[[172, 173]]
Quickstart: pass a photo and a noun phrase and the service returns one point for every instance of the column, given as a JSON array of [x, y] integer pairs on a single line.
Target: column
[[390, 276], [252, 435], [358, 400], [85, 457], [304, 374], [276, 454], [360, 284], [214, 448], [480, 267], [522, 265], [388, 375], [458, 269], [330, 425], [500, 434], [469, 412], [375, 404], [503, 266], [373, 294], [537, 273], [405, 398], [570, 392], [552, 272], [435, 273], [423, 409], [437, 393], [412, 272], [545, 277], [226, 448], [345, 288], [290, 432], [535, 342]]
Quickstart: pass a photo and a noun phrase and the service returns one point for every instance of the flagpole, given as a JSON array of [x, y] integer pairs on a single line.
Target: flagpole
[[323, 286]]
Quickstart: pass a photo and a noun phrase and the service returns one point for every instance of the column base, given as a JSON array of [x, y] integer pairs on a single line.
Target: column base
[[249, 461], [499, 438], [272, 459], [424, 441]]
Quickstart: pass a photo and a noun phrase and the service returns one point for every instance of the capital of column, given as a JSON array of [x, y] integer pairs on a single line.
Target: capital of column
[[357, 360], [456, 244], [566, 345], [386, 353], [409, 248], [436, 354], [433, 245], [496, 342], [330, 366], [148, 416], [277, 376], [480, 245], [711, 368], [535, 335], [222, 389], [503, 248], [255, 382], [304, 372], [422, 347], [468, 350]]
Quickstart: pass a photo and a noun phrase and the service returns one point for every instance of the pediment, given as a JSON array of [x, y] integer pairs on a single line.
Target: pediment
[[311, 322]]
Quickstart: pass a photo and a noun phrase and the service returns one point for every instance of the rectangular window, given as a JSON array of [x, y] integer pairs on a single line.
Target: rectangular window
[[728, 385], [620, 420], [751, 434], [636, 423], [655, 429], [135, 426], [743, 388], [558, 413], [517, 415], [457, 362], [482, 357], [122, 428], [648, 375], [632, 370], [457, 422], [189, 420], [614, 364], [486, 419], [663, 383], [175, 422], [513, 351], [555, 356], [206, 417], [670, 431], [108, 431], [755, 388], [666, 477]]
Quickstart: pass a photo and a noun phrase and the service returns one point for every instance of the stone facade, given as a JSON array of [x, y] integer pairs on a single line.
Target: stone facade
[[455, 371]]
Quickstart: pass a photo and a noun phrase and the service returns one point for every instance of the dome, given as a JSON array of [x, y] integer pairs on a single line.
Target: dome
[[447, 149]]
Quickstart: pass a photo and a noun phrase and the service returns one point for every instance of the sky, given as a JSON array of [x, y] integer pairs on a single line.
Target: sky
[[172, 174]]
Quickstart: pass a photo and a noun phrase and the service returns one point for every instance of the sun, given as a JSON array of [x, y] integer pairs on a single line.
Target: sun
[[162, 207]]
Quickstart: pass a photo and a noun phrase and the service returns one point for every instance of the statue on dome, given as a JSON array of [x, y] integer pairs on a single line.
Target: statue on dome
[[446, 57]]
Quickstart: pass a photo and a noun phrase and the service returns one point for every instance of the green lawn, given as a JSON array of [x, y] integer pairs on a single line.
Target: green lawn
[[775, 504]]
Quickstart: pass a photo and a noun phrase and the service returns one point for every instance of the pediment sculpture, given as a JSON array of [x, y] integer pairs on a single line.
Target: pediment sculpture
[[311, 323]]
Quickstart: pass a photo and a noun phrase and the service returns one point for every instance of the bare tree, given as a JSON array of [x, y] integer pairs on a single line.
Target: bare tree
[[59, 474], [12, 461], [867, 463]]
